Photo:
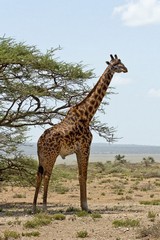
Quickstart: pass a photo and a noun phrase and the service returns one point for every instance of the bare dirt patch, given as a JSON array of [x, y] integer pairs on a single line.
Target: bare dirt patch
[[131, 195]]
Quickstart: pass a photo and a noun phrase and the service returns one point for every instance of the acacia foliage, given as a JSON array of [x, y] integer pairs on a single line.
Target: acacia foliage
[[31, 83], [36, 89]]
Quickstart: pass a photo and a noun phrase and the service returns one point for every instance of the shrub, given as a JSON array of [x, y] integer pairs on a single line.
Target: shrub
[[11, 235], [147, 161], [82, 214], [82, 234], [19, 195], [31, 234], [151, 215], [61, 189], [120, 159], [126, 223], [38, 221], [152, 202], [96, 215], [100, 166], [59, 216]]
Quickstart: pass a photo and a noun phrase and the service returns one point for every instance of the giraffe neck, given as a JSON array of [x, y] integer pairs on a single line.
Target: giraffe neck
[[88, 107]]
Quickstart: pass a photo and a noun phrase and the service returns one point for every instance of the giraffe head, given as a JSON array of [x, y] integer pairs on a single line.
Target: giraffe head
[[116, 65]]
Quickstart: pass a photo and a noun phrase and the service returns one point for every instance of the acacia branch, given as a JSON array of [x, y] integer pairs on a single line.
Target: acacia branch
[[7, 113], [38, 102]]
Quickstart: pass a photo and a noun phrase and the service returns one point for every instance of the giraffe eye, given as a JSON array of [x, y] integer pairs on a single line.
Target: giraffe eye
[[116, 67]]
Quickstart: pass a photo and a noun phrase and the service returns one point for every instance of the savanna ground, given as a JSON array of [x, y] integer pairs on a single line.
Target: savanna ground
[[124, 199]]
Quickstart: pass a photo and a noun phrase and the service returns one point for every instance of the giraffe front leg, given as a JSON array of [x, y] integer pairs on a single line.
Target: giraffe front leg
[[50, 161], [83, 192], [82, 159]]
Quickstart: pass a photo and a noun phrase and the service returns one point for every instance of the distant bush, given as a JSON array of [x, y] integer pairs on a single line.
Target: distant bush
[[148, 161], [120, 159]]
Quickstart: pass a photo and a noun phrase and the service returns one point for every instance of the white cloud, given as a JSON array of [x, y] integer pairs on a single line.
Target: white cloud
[[139, 12], [154, 93]]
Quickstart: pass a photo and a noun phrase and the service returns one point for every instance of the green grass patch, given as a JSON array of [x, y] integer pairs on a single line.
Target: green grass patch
[[59, 188], [98, 170], [39, 220], [59, 216], [16, 222], [82, 214], [11, 235], [96, 215], [151, 202], [19, 195], [9, 213], [82, 234], [72, 209], [31, 234], [63, 171], [151, 214], [125, 223], [43, 219], [86, 214]]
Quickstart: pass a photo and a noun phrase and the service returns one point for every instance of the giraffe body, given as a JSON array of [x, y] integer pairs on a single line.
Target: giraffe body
[[72, 135]]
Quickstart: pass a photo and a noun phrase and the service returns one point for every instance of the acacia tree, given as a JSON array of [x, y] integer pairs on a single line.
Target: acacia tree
[[36, 89]]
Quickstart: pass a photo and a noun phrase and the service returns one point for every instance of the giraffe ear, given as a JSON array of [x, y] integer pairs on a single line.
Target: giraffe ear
[[108, 62]]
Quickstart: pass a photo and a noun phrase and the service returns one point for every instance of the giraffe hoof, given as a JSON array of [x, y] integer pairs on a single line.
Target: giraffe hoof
[[34, 210], [44, 208], [86, 210], [89, 211]]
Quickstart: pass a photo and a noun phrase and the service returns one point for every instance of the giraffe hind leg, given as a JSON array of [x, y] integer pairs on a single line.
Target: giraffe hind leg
[[38, 184], [46, 184], [46, 178]]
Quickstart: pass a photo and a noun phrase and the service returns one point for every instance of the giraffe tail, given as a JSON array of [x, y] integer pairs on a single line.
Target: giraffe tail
[[40, 170]]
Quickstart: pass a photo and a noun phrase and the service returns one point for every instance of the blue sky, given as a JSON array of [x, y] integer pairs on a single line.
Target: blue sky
[[88, 31]]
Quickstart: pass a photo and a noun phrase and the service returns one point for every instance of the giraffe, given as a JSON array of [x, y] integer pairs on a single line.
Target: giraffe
[[72, 135]]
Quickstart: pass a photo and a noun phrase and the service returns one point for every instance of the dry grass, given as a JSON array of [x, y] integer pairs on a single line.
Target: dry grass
[[124, 199]]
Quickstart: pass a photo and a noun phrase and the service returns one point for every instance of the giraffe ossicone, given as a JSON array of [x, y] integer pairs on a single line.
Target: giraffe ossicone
[[72, 135]]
